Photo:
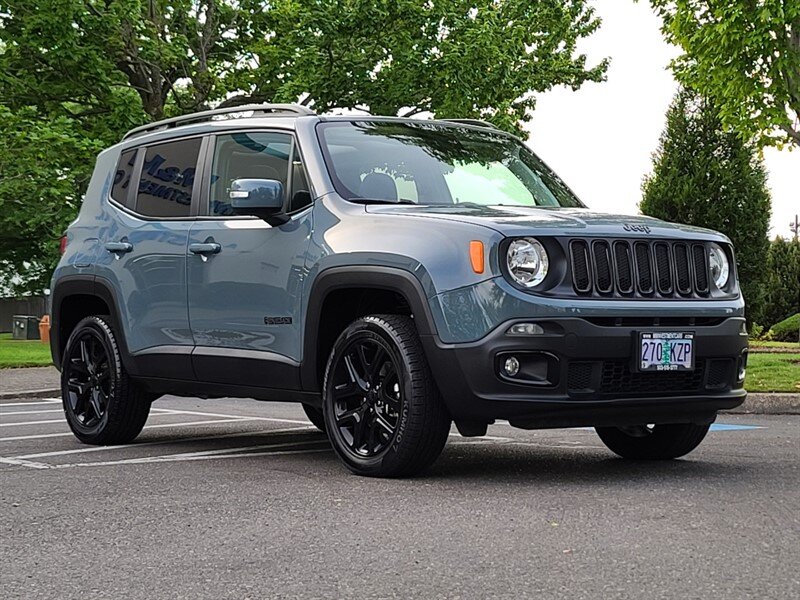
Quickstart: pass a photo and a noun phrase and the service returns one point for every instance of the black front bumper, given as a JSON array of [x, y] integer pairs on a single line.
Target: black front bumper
[[581, 372]]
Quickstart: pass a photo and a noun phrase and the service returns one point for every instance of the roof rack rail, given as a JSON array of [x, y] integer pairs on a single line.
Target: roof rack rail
[[207, 115], [477, 122]]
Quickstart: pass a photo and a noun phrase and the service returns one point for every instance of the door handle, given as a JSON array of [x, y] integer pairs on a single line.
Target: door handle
[[205, 249], [119, 248]]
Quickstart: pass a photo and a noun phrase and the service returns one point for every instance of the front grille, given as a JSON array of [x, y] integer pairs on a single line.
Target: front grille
[[617, 379], [719, 373], [670, 269]]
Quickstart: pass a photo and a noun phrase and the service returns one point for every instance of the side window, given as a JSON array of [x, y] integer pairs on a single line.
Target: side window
[[165, 189], [122, 177], [253, 155], [300, 196]]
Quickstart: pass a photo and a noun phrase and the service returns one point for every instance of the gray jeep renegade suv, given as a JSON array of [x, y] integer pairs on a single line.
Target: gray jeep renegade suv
[[392, 275]]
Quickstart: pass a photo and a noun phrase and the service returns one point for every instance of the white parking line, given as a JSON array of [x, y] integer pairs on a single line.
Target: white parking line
[[50, 435], [48, 401], [192, 458], [163, 442], [32, 423], [30, 412], [208, 414], [180, 457]]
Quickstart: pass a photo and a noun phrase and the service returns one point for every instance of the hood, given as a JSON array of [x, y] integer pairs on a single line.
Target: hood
[[520, 220]]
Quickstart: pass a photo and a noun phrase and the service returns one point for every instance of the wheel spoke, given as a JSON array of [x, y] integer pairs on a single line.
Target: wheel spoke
[[353, 373], [348, 416], [376, 364], [381, 422], [85, 357], [346, 390], [359, 429], [95, 402]]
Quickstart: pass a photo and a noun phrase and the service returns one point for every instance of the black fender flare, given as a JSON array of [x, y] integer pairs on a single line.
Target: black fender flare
[[85, 285], [366, 276]]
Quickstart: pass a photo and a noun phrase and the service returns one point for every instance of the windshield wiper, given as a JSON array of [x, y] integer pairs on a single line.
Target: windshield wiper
[[381, 201]]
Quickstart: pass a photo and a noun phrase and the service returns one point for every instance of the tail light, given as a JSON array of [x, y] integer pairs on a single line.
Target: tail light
[[63, 245]]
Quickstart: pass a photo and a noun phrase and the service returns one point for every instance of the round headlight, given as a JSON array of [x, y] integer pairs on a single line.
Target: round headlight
[[527, 262], [718, 265]]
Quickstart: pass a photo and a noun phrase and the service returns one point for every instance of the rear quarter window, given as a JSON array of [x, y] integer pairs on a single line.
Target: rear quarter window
[[120, 191]]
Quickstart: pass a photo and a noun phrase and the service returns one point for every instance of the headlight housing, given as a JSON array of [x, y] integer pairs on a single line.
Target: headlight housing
[[527, 262], [718, 266]]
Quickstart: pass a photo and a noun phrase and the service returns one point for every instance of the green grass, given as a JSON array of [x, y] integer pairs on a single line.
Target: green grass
[[23, 353], [773, 373], [766, 344]]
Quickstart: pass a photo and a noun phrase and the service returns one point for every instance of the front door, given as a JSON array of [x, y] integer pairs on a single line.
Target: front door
[[245, 277]]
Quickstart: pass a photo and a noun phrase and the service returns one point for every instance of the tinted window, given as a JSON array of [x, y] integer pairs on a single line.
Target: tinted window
[[165, 188], [254, 155], [429, 163], [122, 177]]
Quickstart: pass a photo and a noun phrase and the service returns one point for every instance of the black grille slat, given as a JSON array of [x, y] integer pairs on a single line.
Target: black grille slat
[[604, 281], [581, 267], [700, 268], [622, 259], [644, 267], [623, 268], [682, 281], [663, 268]]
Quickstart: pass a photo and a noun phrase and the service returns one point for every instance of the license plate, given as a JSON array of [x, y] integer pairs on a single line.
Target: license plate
[[666, 351]]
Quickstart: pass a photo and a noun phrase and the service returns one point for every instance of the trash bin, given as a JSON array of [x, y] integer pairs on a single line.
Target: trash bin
[[25, 327]]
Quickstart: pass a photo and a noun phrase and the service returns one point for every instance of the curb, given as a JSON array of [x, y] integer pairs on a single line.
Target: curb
[[768, 404], [47, 393]]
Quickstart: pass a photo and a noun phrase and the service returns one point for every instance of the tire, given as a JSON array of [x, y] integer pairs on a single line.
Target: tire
[[315, 416], [657, 442], [101, 403], [383, 412]]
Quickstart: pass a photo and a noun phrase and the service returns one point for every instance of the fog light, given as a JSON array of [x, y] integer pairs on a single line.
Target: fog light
[[525, 329], [511, 366]]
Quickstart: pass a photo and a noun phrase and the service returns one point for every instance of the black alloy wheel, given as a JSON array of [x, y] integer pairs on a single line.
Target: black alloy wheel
[[383, 412], [88, 379], [366, 396], [102, 404]]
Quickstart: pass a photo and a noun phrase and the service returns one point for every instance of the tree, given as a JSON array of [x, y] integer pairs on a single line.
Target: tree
[[706, 175], [745, 57], [783, 283], [78, 73]]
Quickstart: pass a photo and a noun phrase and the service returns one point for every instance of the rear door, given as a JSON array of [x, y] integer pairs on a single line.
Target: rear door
[[244, 297], [143, 253]]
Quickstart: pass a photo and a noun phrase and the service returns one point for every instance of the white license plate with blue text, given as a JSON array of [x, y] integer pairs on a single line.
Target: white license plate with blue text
[[666, 351]]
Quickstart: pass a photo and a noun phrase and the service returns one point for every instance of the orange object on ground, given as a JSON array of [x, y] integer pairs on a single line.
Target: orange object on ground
[[44, 329]]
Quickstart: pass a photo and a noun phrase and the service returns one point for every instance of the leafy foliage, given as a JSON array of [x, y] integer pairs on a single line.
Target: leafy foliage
[[707, 176], [783, 282], [745, 57], [76, 74]]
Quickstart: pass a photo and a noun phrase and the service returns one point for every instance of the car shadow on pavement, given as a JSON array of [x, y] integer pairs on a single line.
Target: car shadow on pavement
[[559, 465]]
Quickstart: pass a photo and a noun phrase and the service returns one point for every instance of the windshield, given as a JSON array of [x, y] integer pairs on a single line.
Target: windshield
[[427, 163]]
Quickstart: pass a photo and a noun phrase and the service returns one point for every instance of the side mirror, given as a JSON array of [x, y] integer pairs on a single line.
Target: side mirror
[[262, 198]]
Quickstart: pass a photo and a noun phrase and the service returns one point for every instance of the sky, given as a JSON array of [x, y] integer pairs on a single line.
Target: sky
[[600, 139]]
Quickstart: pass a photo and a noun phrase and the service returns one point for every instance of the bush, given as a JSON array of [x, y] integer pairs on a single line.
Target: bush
[[787, 330]]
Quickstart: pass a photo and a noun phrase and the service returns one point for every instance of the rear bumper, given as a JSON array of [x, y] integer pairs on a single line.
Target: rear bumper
[[580, 372]]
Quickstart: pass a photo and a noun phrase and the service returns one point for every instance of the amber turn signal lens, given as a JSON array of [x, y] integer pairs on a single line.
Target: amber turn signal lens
[[476, 255]]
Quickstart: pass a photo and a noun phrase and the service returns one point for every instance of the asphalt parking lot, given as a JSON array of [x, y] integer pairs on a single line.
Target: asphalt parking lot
[[240, 499]]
